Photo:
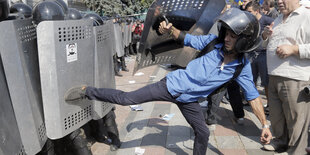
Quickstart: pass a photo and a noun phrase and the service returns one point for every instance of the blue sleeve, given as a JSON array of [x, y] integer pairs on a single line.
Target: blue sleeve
[[198, 42], [245, 80]]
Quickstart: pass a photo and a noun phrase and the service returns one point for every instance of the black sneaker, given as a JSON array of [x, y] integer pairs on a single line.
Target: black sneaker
[[75, 94]]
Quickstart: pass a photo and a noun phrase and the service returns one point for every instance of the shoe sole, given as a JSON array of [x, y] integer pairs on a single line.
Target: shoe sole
[[68, 92]]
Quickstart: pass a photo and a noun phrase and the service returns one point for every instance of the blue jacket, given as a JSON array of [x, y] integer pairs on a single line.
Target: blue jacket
[[204, 75]]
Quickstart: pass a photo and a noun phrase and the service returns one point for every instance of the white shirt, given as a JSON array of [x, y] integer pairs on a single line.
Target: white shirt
[[294, 31]]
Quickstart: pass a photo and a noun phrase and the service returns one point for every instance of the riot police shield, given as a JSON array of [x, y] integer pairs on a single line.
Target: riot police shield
[[20, 62], [11, 142], [118, 40], [66, 55], [129, 33], [192, 16], [104, 72], [126, 35]]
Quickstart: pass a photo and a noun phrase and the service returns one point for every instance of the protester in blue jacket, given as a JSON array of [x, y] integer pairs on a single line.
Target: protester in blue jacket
[[238, 33]]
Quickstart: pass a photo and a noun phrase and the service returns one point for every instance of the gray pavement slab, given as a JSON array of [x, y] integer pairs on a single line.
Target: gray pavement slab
[[229, 142], [251, 142]]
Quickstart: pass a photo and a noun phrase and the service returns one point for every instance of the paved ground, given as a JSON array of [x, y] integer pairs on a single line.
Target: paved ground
[[147, 130]]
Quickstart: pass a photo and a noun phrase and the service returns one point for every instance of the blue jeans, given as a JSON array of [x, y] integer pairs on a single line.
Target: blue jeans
[[158, 92]]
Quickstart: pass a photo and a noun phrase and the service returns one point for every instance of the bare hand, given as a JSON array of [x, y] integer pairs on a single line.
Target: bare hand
[[265, 136], [267, 31], [284, 51], [164, 28]]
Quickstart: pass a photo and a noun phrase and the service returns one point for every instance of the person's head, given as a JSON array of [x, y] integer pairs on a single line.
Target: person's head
[[287, 6], [268, 4], [245, 2], [254, 8], [230, 40], [239, 31]]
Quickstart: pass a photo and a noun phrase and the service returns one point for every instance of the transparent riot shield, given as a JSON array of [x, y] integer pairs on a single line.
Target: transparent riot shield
[[11, 142], [20, 62], [104, 72], [66, 55], [192, 16]]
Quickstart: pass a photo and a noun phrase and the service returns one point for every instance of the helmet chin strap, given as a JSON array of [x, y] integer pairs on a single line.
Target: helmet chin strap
[[228, 52]]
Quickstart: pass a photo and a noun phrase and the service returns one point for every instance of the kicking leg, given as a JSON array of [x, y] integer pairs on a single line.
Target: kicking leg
[[154, 92]]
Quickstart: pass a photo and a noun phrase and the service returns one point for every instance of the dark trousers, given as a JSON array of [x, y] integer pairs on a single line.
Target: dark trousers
[[234, 97], [158, 92]]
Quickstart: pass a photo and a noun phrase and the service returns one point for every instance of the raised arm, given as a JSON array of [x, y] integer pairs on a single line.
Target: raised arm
[[173, 32]]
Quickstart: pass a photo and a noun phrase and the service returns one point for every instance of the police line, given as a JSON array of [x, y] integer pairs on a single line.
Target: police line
[[39, 64]]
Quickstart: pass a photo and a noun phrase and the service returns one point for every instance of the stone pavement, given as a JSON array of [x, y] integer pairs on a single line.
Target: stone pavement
[[146, 129]]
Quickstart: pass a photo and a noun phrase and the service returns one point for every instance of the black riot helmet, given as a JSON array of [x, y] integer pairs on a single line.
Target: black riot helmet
[[4, 9], [47, 10], [73, 14], [243, 24], [97, 21], [63, 5], [22, 9]]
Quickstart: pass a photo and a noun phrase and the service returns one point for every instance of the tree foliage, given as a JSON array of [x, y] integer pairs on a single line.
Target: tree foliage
[[118, 7]]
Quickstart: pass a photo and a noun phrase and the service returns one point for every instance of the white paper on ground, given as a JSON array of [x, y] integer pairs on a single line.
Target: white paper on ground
[[139, 74], [139, 151], [136, 107], [167, 117], [132, 82]]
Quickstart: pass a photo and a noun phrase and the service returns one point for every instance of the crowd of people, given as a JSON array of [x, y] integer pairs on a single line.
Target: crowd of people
[[282, 63]]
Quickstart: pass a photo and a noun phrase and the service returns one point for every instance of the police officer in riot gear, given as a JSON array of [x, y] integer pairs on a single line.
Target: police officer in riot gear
[[75, 142], [62, 4], [21, 9], [97, 20], [107, 132], [73, 14], [239, 33], [47, 10]]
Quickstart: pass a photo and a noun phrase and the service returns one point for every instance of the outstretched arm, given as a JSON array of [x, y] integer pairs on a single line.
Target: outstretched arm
[[258, 110]]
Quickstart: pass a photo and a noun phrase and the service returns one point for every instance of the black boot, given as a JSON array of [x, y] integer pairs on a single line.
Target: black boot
[[124, 68], [116, 67], [48, 148], [111, 128], [126, 49], [78, 143], [98, 131]]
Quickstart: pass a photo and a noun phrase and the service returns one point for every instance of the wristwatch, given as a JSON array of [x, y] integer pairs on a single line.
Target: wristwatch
[[265, 126]]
